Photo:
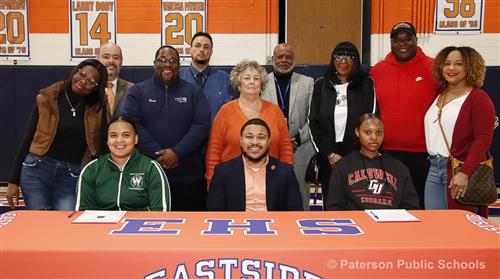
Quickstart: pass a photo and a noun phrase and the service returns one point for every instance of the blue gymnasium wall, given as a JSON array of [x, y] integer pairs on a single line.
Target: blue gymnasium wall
[[19, 85]]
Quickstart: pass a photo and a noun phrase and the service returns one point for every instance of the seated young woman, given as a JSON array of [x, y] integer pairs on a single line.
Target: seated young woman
[[369, 179], [123, 179]]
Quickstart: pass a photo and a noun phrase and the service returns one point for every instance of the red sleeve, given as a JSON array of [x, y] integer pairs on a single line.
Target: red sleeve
[[482, 116]]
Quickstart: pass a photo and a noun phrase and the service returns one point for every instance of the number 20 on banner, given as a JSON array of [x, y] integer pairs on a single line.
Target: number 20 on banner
[[14, 35], [92, 23], [181, 19]]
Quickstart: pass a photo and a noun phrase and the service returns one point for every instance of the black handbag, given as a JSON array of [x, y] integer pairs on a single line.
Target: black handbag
[[312, 171]]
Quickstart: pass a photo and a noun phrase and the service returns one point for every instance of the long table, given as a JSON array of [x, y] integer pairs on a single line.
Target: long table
[[444, 244]]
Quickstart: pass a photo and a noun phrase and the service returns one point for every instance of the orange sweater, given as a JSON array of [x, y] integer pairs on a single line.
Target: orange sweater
[[224, 142]]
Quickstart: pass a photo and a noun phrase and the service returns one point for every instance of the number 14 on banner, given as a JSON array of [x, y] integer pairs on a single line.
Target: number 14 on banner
[[92, 23]]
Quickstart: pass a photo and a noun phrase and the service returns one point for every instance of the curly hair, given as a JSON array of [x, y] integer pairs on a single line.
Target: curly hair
[[475, 69], [243, 66]]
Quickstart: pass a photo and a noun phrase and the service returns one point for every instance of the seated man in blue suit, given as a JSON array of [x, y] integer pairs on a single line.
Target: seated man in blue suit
[[254, 181]]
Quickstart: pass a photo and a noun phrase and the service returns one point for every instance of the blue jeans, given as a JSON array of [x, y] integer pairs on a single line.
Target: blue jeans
[[49, 184], [436, 184]]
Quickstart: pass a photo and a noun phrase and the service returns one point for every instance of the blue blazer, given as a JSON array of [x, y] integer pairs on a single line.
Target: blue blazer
[[227, 188]]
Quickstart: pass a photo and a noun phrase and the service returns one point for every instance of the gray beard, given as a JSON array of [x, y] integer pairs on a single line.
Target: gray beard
[[287, 71]]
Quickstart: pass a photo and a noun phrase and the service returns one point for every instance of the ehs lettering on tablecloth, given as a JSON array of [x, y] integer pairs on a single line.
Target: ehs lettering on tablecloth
[[172, 226]]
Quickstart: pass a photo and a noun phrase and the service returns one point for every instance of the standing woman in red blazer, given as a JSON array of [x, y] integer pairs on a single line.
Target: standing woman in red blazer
[[467, 118]]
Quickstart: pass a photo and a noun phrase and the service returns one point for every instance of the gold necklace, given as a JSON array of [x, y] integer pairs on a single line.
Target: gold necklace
[[249, 112], [452, 97]]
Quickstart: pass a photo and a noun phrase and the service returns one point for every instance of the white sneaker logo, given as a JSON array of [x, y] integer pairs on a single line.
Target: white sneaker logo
[[152, 101]]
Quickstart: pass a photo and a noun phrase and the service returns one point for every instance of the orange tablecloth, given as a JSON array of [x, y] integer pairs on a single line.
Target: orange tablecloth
[[444, 244]]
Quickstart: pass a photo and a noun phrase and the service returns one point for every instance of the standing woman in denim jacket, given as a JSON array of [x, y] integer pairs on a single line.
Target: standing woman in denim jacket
[[66, 127]]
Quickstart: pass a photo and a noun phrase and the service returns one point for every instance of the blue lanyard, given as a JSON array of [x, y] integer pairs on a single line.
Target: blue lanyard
[[282, 98]]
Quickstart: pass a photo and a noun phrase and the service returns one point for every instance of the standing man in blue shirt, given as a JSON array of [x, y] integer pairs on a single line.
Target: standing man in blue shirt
[[172, 120], [214, 83]]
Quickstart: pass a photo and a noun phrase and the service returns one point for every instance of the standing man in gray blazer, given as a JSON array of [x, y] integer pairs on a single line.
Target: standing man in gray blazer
[[292, 93], [110, 55]]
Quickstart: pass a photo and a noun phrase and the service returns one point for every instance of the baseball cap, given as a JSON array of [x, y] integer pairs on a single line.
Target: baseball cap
[[403, 26]]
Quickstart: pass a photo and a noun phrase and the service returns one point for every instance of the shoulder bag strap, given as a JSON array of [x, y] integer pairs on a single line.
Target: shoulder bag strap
[[454, 162]]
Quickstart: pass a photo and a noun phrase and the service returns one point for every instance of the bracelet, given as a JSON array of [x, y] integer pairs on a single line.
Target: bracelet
[[331, 155]]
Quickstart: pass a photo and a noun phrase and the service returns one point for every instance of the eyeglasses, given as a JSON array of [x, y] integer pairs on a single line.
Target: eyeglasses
[[165, 61], [87, 78], [346, 58]]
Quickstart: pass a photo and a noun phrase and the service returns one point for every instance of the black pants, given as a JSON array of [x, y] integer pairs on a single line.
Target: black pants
[[325, 170], [189, 196], [418, 165]]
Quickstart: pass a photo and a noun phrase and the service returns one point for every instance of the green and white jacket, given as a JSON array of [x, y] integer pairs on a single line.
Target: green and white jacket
[[141, 185]]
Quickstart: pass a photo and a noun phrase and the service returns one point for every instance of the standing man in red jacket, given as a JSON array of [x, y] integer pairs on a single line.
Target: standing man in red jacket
[[405, 90]]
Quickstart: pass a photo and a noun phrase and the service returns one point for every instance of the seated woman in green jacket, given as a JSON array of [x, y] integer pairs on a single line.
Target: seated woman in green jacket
[[123, 179]]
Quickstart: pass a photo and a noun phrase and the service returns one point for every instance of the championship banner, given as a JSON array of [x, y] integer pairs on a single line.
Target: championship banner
[[92, 23], [14, 33], [180, 20], [459, 16]]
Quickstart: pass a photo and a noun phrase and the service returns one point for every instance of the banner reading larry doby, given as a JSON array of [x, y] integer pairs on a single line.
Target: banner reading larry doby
[[92, 23], [180, 20], [14, 34]]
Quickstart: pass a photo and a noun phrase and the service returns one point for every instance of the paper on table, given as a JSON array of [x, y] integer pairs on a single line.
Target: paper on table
[[100, 216], [391, 215]]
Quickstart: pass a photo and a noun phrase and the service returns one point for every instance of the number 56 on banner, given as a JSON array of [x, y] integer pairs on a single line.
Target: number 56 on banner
[[92, 23]]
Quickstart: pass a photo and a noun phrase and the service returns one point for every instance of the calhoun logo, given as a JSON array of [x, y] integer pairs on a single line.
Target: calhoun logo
[[136, 181]]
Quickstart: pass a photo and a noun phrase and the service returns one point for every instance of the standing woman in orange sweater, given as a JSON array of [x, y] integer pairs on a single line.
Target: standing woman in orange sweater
[[248, 78]]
